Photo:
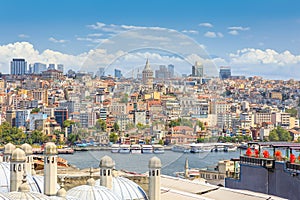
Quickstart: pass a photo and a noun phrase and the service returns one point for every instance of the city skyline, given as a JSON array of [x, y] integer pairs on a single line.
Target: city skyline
[[254, 38]]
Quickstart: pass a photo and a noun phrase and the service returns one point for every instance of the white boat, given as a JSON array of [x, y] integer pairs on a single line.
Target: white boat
[[124, 148], [181, 148], [158, 149], [115, 148], [146, 148], [201, 147], [136, 149], [230, 148]]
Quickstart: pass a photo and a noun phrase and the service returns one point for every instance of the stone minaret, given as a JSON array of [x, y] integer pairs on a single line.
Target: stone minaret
[[29, 158], [186, 169], [17, 167], [50, 169], [154, 178], [106, 167], [8, 149]]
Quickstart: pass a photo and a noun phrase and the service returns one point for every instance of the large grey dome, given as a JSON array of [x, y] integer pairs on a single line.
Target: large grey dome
[[126, 189], [3, 197], [92, 193], [36, 183]]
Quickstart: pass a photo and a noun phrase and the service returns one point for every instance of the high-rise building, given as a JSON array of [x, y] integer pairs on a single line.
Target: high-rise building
[[197, 70], [60, 67], [101, 72], [38, 68], [61, 114], [225, 72], [162, 72], [51, 66], [118, 73], [18, 66], [171, 70]]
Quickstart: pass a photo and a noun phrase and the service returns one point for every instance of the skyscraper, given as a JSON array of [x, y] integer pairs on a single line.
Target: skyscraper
[[38, 68], [197, 70], [225, 72], [118, 73], [171, 70], [18, 66], [60, 67], [51, 66], [101, 72]]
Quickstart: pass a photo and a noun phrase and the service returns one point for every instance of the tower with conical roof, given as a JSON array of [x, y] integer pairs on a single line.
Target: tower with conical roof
[[154, 178], [50, 169], [148, 75], [8, 149], [106, 167], [29, 158], [17, 166]]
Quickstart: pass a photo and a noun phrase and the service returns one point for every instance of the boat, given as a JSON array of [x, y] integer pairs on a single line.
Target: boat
[[181, 148], [115, 148], [158, 149], [65, 150], [124, 148], [146, 148], [230, 148], [136, 149]]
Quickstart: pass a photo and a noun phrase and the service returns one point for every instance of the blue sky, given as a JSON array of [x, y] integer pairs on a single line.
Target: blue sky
[[234, 31]]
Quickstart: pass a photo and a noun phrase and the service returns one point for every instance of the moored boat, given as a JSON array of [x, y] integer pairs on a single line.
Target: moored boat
[[146, 148], [136, 149], [124, 148], [115, 148], [158, 149]]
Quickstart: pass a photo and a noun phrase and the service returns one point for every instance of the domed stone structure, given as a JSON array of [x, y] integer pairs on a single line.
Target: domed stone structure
[[154, 162], [50, 148], [8, 149], [126, 189], [29, 168], [27, 149], [18, 155], [106, 161]]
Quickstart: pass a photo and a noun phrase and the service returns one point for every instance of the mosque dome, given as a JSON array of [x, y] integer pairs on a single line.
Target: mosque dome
[[9, 148], [92, 193], [36, 183], [106, 162], [18, 155], [27, 196], [126, 189], [50, 148], [154, 162], [3, 197], [27, 148]]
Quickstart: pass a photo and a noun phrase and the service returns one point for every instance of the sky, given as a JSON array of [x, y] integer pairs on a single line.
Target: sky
[[254, 37]]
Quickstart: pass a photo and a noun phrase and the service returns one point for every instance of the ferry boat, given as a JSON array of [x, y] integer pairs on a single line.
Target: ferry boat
[[158, 149], [201, 147], [124, 148], [115, 148], [181, 148], [136, 149], [230, 148], [146, 148]]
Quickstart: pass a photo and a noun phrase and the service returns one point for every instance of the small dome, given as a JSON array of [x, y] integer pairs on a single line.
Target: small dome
[[126, 189], [61, 192], [92, 193], [27, 196], [3, 197], [9, 148], [27, 148], [18, 155], [106, 162], [50, 148], [154, 162]]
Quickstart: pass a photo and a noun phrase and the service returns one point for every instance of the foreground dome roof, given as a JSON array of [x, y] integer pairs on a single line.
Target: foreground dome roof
[[154, 162], [50, 148], [92, 193], [3, 197], [18, 155], [27, 196], [27, 148], [126, 189], [36, 183], [9, 148], [106, 162]]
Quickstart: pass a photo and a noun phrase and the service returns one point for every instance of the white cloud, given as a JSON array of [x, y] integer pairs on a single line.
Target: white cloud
[[206, 24], [211, 34], [23, 36], [52, 39], [190, 31], [233, 32], [239, 28], [95, 35]]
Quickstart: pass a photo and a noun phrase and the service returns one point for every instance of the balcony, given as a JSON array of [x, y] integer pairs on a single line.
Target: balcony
[[292, 167], [264, 162]]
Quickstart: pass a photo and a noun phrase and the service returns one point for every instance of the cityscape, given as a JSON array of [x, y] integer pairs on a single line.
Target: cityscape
[[150, 107]]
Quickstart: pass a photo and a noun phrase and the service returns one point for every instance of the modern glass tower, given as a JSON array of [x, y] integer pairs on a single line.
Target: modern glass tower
[[18, 66]]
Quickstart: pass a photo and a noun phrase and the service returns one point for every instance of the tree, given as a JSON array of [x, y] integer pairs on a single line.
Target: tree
[[116, 127], [101, 125], [37, 137], [201, 125], [279, 134], [273, 136], [68, 123], [161, 142], [35, 110], [292, 111], [113, 137]]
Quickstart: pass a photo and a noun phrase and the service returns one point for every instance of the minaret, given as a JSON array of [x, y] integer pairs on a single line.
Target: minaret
[[186, 168], [154, 178], [29, 158], [50, 169], [8, 149], [106, 167], [17, 166]]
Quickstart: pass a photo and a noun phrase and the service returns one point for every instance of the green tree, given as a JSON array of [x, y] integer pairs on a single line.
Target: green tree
[[283, 134], [68, 123], [116, 127], [161, 142], [201, 125], [37, 137], [35, 110], [72, 138], [273, 136], [101, 125], [113, 137], [292, 111]]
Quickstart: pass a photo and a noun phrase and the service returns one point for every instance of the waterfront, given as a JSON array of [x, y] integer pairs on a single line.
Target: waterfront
[[172, 161]]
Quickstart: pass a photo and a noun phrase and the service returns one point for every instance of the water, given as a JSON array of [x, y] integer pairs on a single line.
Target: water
[[171, 161]]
